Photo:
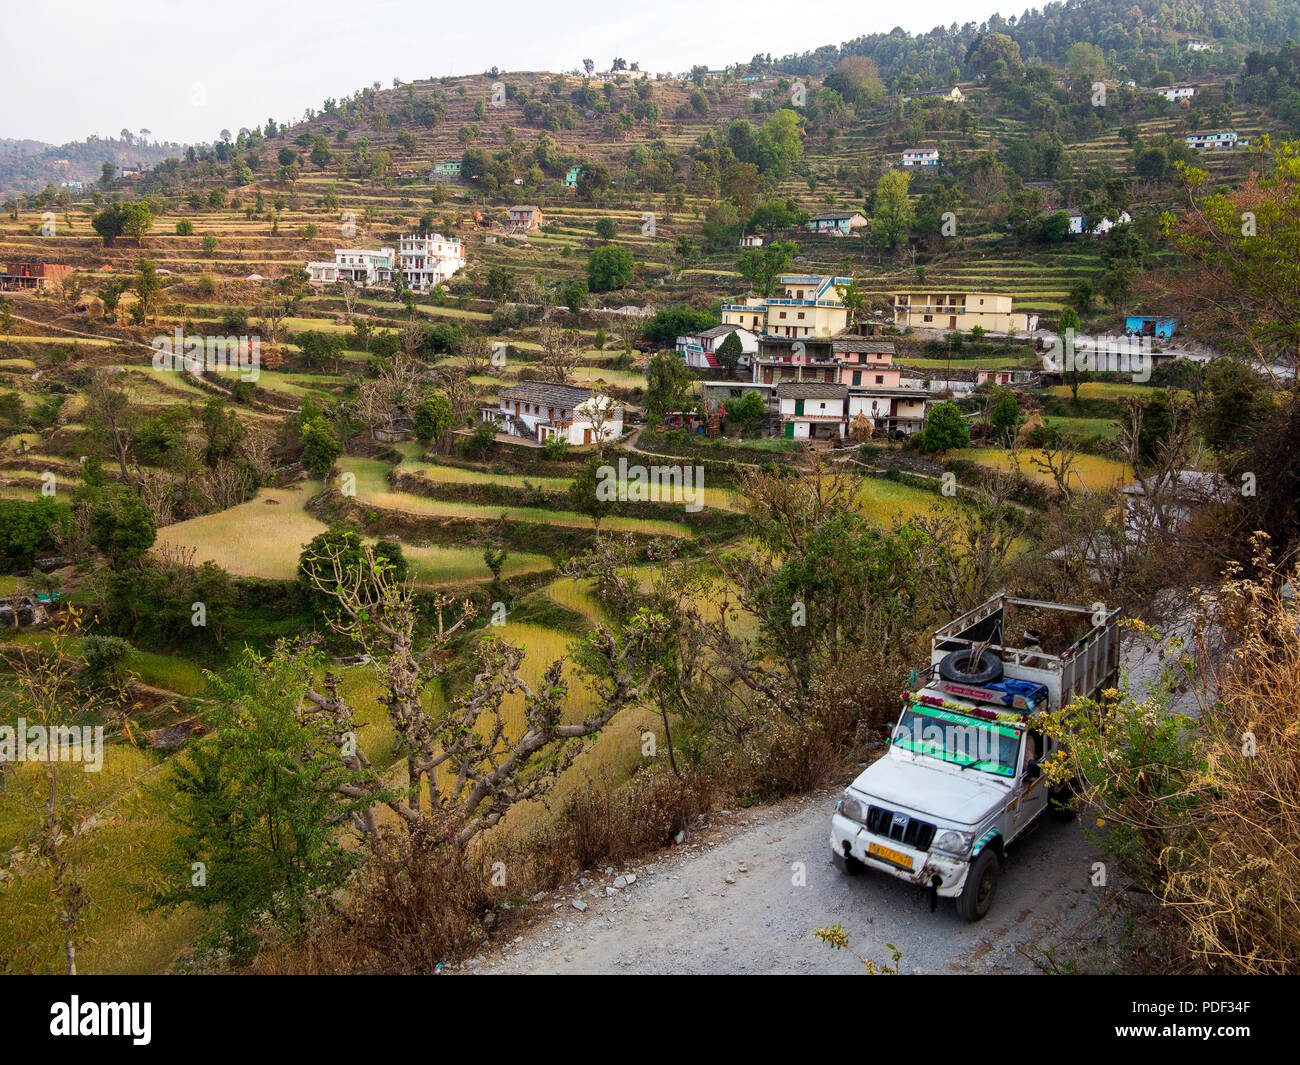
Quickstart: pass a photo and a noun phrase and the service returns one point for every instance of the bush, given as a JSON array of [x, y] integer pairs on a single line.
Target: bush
[[104, 659]]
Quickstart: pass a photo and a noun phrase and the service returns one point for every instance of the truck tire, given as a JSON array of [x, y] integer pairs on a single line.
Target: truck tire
[[956, 668], [976, 898], [846, 863]]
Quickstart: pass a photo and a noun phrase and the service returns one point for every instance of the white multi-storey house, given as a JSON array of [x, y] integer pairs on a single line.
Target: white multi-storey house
[[921, 157], [360, 266], [1218, 141], [428, 261]]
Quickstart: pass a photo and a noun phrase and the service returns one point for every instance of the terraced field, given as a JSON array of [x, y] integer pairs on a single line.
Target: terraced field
[[1094, 471]]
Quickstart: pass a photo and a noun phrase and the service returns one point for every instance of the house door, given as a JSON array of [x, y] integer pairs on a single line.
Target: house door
[[952, 321], [798, 407], [586, 436], [789, 430]]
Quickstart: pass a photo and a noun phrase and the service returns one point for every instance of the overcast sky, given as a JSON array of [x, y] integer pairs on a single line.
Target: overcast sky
[[185, 70]]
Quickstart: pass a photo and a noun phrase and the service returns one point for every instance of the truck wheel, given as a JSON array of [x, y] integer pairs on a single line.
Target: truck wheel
[[846, 863], [959, 669], [976, 898]]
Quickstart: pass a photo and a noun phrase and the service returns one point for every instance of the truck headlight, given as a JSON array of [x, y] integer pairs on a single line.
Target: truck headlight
[[853, 809], [957, 844]]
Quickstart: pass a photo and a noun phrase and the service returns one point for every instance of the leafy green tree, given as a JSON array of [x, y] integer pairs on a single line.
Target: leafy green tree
[[585, 495], [945, 429], [500, 284], [260, 800], [609, 267], [593, 181], [28, 529], [780, 143], [147, 284], [762, 267], [729, 351], [669, 384], [433, 417], [1235, 405], [340, 550], [606, 229], [891, 217], [320, 447], [1004, 413], [749, 411], [1156, 425], [121, 527], [668, 323]]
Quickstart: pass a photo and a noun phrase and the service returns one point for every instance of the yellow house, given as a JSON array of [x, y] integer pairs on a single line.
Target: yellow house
[[809, 306], [960, 310]]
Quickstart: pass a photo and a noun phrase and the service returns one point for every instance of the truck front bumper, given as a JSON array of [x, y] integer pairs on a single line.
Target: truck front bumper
[[850, 839]]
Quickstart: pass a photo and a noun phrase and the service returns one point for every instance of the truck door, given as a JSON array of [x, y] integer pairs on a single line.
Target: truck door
[[1032, 798]]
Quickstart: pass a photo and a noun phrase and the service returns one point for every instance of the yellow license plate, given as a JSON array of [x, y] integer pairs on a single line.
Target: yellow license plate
[[890, 855]]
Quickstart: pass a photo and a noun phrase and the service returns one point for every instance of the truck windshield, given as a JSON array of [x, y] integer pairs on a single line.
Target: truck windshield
[[984, 746]]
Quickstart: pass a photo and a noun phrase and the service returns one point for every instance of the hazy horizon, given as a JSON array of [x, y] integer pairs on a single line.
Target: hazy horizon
[[251, 62]]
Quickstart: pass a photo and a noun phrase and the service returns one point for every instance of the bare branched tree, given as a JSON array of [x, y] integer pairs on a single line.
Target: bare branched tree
[[466, 757], [561, 354]]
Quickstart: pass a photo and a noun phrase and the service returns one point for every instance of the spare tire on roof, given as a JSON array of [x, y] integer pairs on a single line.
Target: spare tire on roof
[[958, 668]]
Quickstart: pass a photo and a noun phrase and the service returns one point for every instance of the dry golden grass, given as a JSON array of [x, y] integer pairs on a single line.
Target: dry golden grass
[[1097, 472]]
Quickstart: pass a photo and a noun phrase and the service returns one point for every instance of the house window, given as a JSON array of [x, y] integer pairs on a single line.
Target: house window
[[783, 314], [880, 379], [928, 318], [801, 314]]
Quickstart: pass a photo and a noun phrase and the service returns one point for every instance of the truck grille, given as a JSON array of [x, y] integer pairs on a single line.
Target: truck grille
[[900, 827]]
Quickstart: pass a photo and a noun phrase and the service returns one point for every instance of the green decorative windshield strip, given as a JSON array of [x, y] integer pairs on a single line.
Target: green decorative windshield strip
[[941, 751], [963, 719]]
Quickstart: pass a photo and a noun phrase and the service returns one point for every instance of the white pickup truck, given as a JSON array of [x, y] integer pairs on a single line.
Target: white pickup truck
[[961, 779]]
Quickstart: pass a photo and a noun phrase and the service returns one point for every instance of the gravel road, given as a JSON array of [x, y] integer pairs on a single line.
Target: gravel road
[[744, 893], [731, 900]]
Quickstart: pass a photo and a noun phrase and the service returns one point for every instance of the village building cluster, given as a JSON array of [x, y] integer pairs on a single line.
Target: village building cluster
[[424, 261]]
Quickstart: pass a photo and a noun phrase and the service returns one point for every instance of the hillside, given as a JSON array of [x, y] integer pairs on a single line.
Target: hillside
[[182, 511]]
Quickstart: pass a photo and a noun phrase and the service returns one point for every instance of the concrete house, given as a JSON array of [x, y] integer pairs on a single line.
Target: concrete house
[[427, 260], [811, 410], [809, 306], [699, 350], [960, 310], [841, 222], [540, 410], [921, 157], [446, 172], [358, 266], [1106, 224], [1222, 140], [527, 217]]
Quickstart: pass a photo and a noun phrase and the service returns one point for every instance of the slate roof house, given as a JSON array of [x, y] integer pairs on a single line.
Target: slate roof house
[[539, 410]]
